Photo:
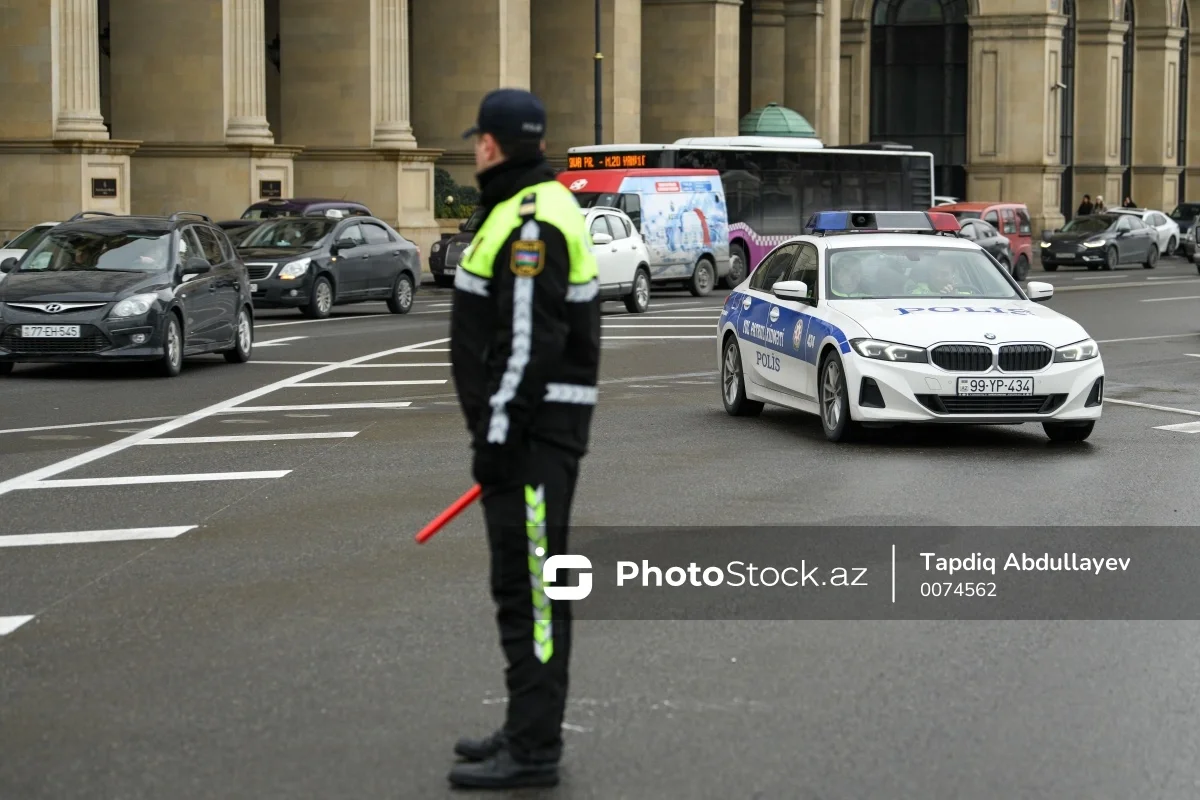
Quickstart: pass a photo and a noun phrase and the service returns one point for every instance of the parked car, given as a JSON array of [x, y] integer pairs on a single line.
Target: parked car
[[944, 200], [318, 261], [621, 258], [120, 288], [445, 256], [292, 207], [1011, 219], [990, 239], [1100, 241], [19, 244], [1185, 217], [1166, 229]]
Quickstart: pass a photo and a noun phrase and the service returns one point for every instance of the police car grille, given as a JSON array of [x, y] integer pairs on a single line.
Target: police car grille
[[963, 357], [454, 253], [258, 272], [1017, 404], [1024, 357], [90, 340]]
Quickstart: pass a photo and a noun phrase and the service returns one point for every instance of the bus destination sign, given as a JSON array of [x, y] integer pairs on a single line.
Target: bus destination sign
[[626, 160]]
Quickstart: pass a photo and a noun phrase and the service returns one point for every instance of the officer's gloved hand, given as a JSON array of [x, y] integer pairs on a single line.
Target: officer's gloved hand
[[495, 464]]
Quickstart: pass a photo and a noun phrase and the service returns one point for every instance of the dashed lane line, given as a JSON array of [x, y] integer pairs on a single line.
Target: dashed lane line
[[91, 537], [279, 342], [85, 425], [312, 407], [1165, 299], [10, 624], [1189, 412], [31, 479], [250, 437], [141, 480], [1096, 286], [1147, 338], [343, 384], [1182, 427]]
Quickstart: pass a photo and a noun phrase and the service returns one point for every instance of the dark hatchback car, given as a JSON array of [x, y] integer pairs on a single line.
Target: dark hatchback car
[[119, 288], [1185, 215], [446, 255], [316, 262], [1100, 241], [983, 234]]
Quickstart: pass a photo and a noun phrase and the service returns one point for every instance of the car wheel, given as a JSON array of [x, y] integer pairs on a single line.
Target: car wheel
[[402, 295], [738, 263], [701, 284], [1022, 268], [443, 281], [6, 367], [1172, 246], [1004, 262], [638, 301], [834, 401], [320, 299], [1068, 431], [1111, 258], [170, 363], [243, 340], [1151, 257], [733, 383]]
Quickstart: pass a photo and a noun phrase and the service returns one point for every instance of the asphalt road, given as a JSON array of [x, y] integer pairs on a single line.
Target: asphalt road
[[286, 638]]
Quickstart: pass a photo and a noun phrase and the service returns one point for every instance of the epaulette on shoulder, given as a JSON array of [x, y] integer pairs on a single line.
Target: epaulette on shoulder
[[528, 205]]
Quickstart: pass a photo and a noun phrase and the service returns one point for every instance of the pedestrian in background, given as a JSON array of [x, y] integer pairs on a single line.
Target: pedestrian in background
[[1099, 207], [525, 348], [1129, 202], [1085, 207]]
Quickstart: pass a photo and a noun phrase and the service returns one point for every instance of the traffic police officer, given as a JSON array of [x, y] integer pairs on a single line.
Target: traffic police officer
[[525, 347]]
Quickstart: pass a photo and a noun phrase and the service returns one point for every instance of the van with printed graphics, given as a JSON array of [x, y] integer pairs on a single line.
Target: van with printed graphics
[[681, 214]]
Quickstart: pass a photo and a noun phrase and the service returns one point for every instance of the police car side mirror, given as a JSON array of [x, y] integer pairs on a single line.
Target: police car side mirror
[[1039, 292], [791, 290]]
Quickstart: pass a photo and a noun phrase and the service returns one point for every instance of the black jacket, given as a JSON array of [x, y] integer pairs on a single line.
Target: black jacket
[[544, 396]]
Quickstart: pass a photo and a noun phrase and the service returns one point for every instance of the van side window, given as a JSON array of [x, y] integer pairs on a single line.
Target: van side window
[[1024, 226], [1010, 223], [993, 218], [631, 204]]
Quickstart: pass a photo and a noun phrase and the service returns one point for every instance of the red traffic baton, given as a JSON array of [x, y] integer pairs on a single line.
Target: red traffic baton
[[450, 513]]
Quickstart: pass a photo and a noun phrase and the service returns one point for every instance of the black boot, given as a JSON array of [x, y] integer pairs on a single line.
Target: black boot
[[480, 749], [502, 771]]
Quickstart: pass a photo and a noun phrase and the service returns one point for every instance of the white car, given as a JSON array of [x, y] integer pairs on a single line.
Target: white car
[[621, 258], [26, 240], [892, 325], [1165, 228]]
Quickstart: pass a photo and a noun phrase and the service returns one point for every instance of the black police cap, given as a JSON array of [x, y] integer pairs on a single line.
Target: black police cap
[[510, 114]]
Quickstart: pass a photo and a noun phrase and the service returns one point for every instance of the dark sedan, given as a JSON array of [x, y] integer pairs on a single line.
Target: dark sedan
[[445, 255], [314, 263], [126, 289], [1100, 241], [990, 239]]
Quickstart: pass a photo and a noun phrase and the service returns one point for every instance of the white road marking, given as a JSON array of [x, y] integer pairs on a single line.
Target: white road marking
[[608, 338], [327, 319], [1182, 427], [84, 425], [433, 349], [279, 342], [252, 437], [1102, 278], [139, 480], [1119, 285], [436, 382], [1165, 299], [314, 407], [1146, 338], [1154, 407], [658, 327], [10, 624], [1193, 355], [669, 307], [414, 364], [226, 406], [90, 537], [690, 317], [1164, 278]]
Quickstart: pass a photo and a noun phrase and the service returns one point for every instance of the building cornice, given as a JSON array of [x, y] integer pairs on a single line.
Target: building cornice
[[410, 155], [1016, 26], [216, 150], [107, 147]]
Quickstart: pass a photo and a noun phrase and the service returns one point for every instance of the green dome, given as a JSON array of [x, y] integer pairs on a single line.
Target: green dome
[[775, 120]]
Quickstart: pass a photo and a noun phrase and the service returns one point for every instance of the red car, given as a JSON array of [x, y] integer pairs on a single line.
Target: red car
[[1011, 219]]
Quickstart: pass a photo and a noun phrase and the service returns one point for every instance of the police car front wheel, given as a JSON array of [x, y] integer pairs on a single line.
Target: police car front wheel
[[834, 401], [733, 383]]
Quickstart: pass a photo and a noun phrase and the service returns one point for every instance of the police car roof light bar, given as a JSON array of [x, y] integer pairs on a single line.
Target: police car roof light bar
[[824, 223], [943, 222]]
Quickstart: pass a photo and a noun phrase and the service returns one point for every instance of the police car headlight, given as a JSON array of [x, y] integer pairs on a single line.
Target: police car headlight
[[134, 306], [1097, 243], [1080, 351], [890, 351], [294, 269]]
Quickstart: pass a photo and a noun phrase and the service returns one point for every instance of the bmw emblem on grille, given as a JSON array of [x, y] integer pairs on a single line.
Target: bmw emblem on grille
[[989, 336], [53, 308]]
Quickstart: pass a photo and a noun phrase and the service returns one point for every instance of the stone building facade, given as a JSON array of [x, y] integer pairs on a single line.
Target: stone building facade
[[149, 106]]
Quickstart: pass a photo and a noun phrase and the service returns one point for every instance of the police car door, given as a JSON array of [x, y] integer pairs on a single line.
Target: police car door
[[798, 318], [764, 340]]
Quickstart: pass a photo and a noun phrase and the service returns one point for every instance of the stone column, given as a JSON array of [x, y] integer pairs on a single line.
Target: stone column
[[804, 59], [855, 88], [831, 73], [766, 82], [246, 66], [390, 74], [1193, 121], [1155, 169], [77, 34], [690, 71], [1098, 65], [1014, 119]]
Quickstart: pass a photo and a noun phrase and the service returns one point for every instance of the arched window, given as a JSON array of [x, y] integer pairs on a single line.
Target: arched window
[[1126, 111], [919, 60], [1066, 147], [1181, 144]]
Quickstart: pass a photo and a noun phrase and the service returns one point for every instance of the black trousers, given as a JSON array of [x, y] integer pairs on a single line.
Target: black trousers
[[528, 517]]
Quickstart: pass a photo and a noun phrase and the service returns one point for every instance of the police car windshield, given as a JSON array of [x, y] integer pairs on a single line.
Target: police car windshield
[[877, 273], [306, 232]]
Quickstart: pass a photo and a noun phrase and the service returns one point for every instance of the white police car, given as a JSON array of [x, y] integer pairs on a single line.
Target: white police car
[[895, 319]]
